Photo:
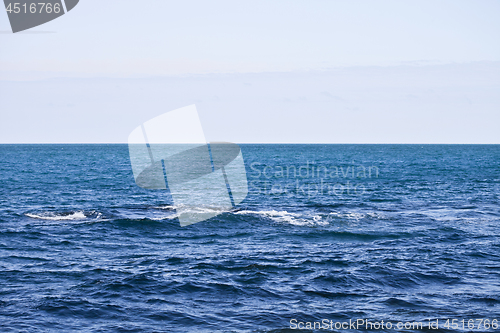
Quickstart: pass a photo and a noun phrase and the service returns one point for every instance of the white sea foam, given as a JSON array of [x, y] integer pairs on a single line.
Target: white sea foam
[[309, 219], [167, 207], [287, 217], [347, 216], [161, 218], [79, 215], [184, 209]]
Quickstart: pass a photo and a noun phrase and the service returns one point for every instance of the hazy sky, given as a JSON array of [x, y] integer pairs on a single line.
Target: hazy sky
[[451, 47], [151, 37]]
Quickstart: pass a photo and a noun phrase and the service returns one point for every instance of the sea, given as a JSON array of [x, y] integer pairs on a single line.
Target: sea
[[328, 235]]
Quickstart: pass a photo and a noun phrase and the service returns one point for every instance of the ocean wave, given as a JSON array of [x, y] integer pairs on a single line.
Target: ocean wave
[[308, 218], [58, 216], [64, 216], [286, 217], [190, 210], [165, 207]]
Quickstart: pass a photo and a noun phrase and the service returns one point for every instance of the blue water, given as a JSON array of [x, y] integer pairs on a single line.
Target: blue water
[[83, 249]]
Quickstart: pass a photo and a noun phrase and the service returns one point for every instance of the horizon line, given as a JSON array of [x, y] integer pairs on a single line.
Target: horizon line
[[243, 143]]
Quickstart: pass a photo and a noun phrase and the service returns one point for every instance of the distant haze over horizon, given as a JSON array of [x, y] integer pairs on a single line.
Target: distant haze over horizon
[[259, 72], [403, 104]]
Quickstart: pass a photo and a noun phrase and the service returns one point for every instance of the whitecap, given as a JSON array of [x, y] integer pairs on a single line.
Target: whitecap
[[191, 210], [287, 217], [78, 215]]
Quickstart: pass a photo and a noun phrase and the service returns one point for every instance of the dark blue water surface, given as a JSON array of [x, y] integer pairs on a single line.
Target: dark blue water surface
[[412, 234]]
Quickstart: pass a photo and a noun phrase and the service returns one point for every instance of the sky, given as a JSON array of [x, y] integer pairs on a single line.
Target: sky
[[395, 71]]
